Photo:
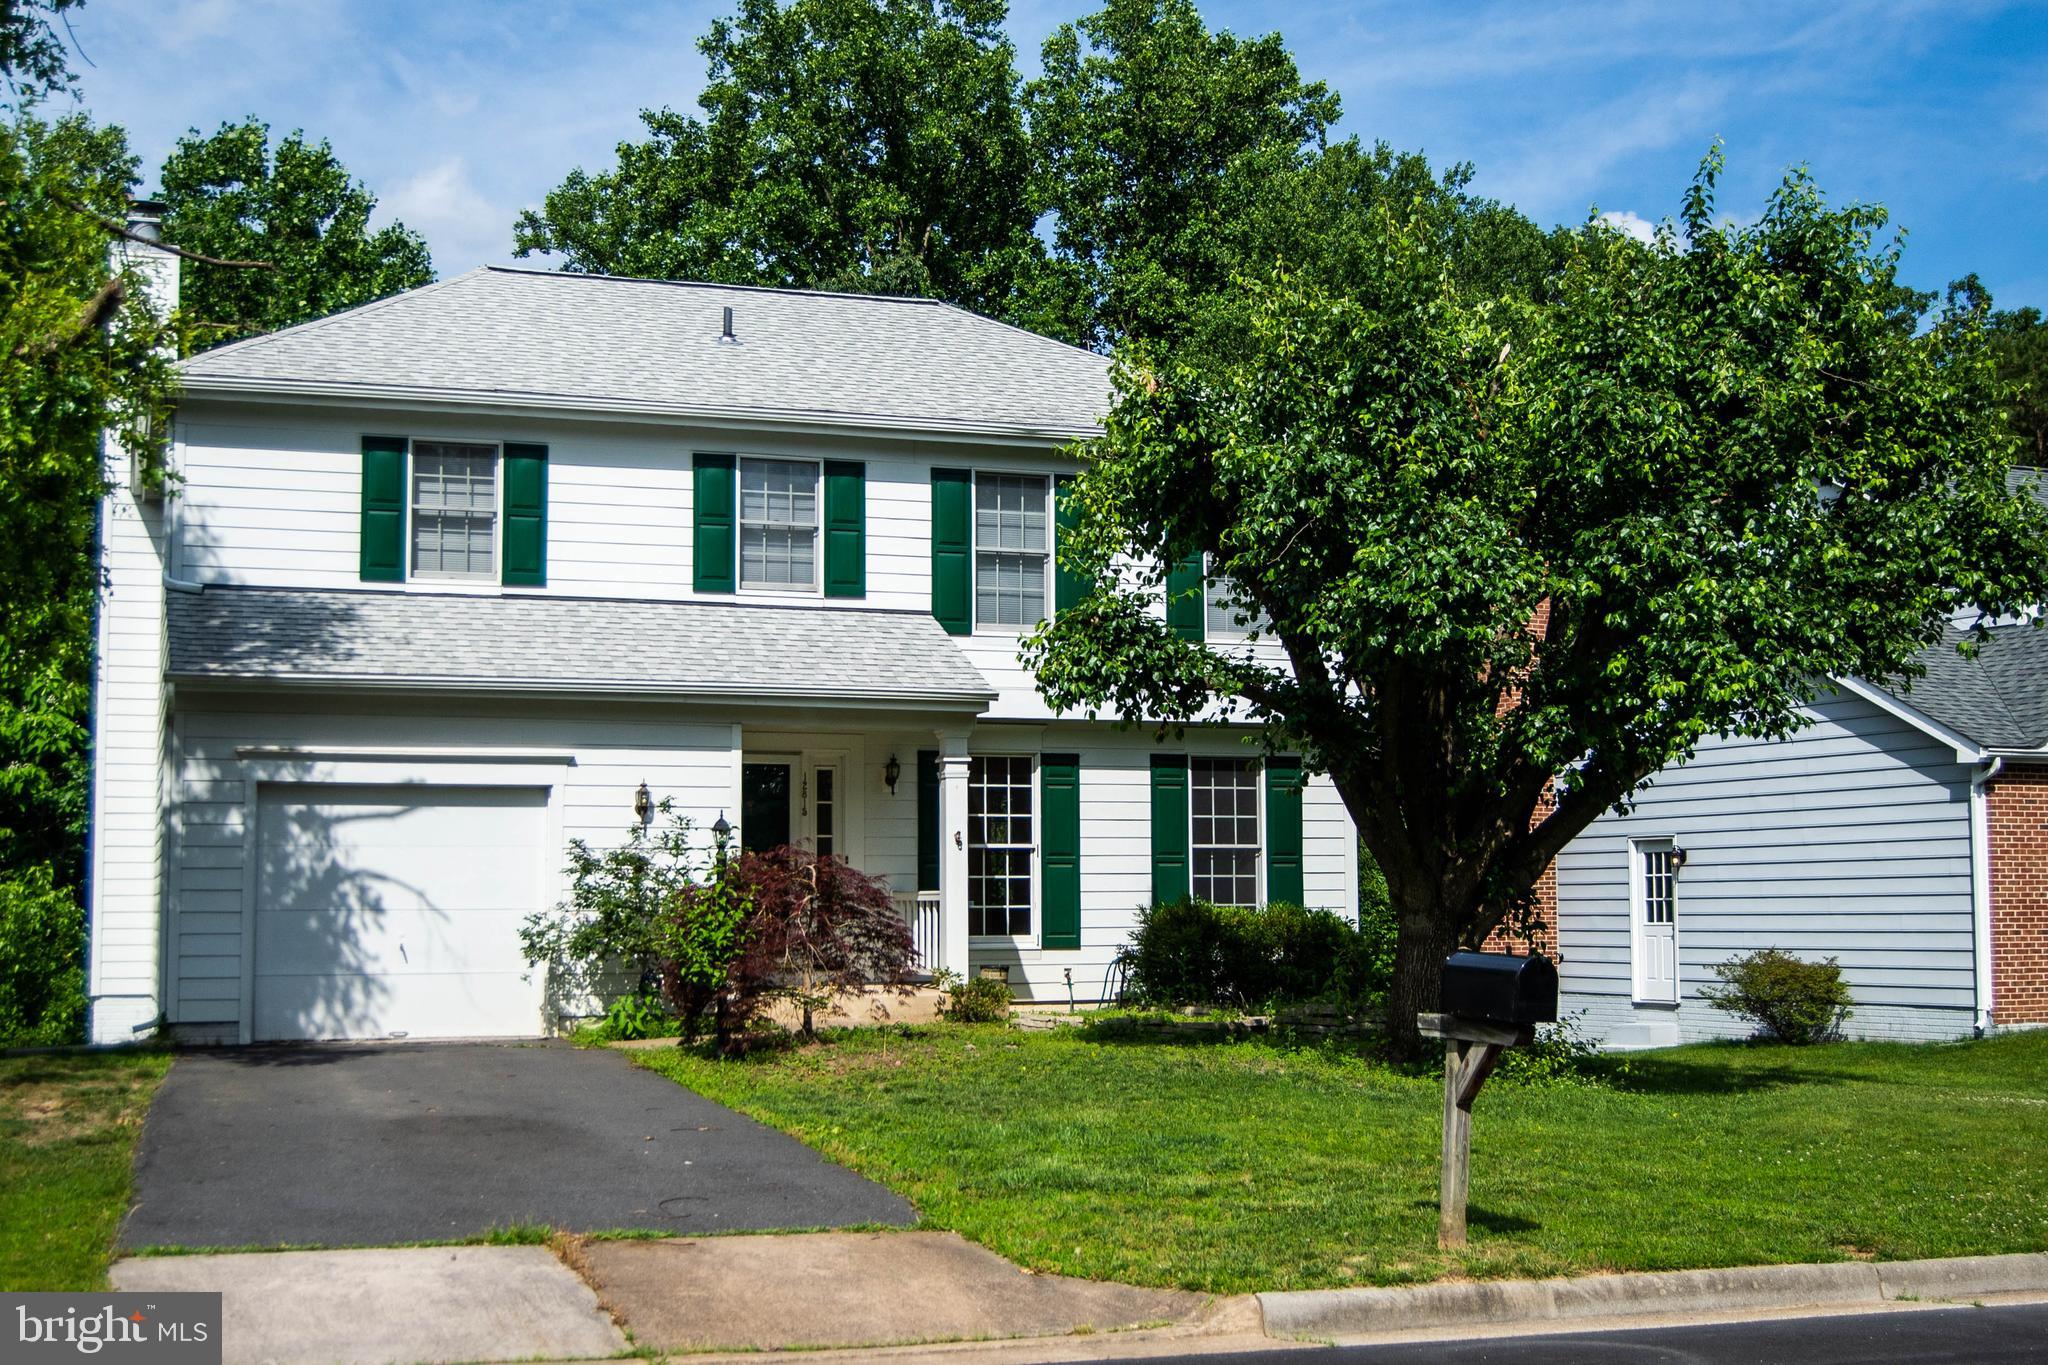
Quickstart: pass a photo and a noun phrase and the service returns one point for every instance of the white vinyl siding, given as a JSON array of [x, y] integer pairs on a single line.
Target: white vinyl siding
[[1848, 839], [1012, 550], [779, 524], [1001, 838], [1223, 817], [454, 510]]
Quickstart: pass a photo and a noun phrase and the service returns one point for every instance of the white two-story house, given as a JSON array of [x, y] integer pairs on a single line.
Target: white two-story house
[[442, 582]]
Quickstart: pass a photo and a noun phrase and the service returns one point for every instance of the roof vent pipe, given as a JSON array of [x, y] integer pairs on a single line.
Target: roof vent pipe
[[727, 334]]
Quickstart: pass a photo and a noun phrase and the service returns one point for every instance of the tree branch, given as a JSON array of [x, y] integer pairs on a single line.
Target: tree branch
[[98, 311], [122, 230]]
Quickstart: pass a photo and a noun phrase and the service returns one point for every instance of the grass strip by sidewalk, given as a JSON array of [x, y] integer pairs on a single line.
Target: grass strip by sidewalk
[[68, 1128], [1243, 1166]]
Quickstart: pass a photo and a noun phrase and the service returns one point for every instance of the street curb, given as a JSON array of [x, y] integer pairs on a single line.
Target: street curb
[[1326, 1313]]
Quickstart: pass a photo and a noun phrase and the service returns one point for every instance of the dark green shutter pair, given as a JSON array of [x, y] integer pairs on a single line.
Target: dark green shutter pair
[[1059, 785], [953, 549], [1170, 828], [381, 553], [716, 542]]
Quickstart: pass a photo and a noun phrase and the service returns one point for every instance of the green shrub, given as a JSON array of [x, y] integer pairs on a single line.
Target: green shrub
[[1562, 1054], [981, 1000], [1794, 1001], [1189, 952], [42, 960], [632, 1017]]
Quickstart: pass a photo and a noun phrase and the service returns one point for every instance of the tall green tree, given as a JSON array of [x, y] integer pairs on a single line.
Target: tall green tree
[[2019, 345], [1507, 541], [298, 210], [1152, 137], [847, 144], [81, 353]]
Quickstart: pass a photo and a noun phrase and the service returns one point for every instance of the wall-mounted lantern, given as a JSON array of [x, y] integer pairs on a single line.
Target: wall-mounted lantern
[[643, 804], [890, 772]]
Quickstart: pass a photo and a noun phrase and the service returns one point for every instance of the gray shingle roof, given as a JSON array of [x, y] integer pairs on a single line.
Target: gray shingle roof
[[1999, 698], [716, 650], [550, 340]]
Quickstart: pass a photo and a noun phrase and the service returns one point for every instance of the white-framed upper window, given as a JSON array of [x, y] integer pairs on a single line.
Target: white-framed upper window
[[454, 509], [779, 524], [1221, 612], [1012, 549], [1223, 834], [1002, 836]]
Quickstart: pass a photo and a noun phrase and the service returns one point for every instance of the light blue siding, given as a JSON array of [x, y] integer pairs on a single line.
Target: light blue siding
[[1851, 840]]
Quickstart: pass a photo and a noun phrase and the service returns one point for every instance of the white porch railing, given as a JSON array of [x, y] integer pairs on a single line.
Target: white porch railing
[[920, 910]]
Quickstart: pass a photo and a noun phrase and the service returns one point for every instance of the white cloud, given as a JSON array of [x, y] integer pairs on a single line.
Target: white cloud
[[1634, 224], [443, 204]]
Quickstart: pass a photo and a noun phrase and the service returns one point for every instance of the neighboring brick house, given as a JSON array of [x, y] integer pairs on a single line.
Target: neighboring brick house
[[1904, 832]]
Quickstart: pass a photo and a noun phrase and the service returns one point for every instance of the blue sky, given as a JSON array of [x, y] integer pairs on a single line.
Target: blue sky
[[459, 112]]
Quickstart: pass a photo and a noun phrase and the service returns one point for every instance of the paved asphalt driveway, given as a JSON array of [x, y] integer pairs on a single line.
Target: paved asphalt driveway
[[366, 1144]]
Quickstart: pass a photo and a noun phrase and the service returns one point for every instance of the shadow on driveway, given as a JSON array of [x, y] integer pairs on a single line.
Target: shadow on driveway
[[362, 1145]]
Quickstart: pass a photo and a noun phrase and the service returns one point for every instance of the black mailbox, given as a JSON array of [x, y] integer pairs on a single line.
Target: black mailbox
[[1500, 988]]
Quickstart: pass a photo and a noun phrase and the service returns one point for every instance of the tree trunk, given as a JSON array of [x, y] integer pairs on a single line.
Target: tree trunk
[[1426, 939]]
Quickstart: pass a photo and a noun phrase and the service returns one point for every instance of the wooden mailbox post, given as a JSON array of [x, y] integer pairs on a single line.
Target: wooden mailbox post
[[1472, 1049]]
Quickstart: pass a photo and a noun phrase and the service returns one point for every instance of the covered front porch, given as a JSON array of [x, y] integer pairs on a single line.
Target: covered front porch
[[893, 801]]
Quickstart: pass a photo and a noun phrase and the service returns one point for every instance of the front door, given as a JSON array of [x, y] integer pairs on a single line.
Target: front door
[[765, 791], [798, 799], [1654, 942]]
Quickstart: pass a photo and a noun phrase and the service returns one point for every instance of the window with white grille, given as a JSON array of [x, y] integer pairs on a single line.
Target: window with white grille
[[779, 524], [1222, 609], [454, 509], [1001, 836], [1660, 884], [1223, 815], [1012, 549]]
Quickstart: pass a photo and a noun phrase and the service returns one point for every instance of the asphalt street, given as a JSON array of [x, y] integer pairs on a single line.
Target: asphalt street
[[2013, 1335]]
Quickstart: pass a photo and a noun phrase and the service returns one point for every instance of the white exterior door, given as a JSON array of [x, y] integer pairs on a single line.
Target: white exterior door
[[1654, 936], [388, 912]]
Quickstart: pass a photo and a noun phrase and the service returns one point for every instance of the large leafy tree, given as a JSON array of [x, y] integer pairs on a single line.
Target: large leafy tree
[[2019, 343], [856, 144], [1153, 139], [298, 210], [1510, 543]]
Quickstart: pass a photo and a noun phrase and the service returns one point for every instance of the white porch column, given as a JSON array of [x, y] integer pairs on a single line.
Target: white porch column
[[953, 850]]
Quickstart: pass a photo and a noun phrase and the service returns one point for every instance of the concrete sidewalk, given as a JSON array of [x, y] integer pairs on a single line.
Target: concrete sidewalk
[[880, 1293], [374, 1307]]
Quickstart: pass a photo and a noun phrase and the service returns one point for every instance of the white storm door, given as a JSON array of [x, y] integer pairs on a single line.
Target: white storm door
[[394, 911], [1653, 938]]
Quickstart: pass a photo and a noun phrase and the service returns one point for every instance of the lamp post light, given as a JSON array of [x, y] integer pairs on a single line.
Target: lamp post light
[[721, 832]]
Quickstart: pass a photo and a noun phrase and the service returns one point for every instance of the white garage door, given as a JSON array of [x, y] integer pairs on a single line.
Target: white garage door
[[395, 911]]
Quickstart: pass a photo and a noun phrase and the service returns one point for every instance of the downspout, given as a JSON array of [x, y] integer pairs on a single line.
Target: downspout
[[1980, 886]]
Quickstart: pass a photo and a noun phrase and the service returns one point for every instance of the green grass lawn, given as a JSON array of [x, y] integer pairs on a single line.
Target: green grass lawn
[[1231, 1167], [68, 1126]]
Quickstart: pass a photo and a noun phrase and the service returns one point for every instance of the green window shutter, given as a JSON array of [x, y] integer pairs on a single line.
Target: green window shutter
[[1185, 612], [1068, 587], [846, 529], [1059, 791], [928, 853], [1283, 830], [382, 543], [526, 515], [953, 549], [715, 547], [1169, 827]]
